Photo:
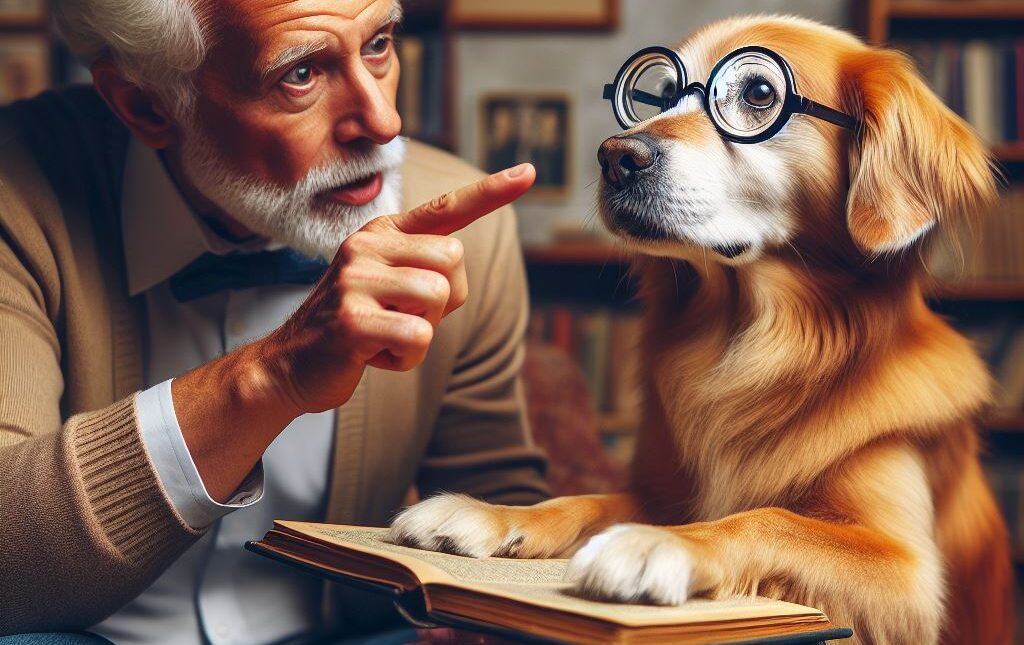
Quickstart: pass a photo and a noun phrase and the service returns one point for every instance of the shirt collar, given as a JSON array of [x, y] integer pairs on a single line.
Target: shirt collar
[[161, 232]]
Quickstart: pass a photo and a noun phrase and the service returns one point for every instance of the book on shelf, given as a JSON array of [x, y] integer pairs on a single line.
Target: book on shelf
[[410, 87], [1010, 376], [525, 598], [981, 80], [1006, 478], [604, 343], [992, 252], [421, 88]]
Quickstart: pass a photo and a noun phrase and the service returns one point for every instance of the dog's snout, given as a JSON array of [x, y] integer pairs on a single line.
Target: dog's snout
[[623, 157]]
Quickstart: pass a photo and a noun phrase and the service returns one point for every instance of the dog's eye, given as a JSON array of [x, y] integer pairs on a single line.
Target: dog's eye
[[758, 93]]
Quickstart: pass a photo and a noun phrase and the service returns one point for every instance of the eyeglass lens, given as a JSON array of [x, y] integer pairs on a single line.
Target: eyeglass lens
[[649, 86], [747, 94]]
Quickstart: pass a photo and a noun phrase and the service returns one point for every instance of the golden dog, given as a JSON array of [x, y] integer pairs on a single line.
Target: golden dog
[[809, 431]]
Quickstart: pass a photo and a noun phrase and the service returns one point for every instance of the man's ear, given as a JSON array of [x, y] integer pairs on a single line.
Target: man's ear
[[914, 163], [141, 113]]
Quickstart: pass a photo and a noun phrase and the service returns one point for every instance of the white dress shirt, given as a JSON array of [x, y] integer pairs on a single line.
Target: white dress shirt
[[216, 591]]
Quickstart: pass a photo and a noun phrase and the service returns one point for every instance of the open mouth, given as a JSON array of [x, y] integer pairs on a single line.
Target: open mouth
[[360, 192]]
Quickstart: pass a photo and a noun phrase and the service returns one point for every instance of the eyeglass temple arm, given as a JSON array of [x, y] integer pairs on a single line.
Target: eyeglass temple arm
[[638, 95], [826, 113]]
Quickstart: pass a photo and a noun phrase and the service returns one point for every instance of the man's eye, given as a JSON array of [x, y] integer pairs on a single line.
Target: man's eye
[[378, 45], [299, 75]]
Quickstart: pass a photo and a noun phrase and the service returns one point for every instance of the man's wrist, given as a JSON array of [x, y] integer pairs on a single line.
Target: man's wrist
[[229, 411], [260, 382]]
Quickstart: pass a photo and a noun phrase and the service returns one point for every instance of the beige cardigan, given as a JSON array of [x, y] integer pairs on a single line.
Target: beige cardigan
[[84, 523]]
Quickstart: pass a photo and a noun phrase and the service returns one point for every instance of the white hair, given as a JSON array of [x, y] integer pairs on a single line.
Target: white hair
[[156, 44]]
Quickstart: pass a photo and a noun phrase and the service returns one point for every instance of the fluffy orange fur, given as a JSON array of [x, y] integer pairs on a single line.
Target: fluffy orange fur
[[809, 432]]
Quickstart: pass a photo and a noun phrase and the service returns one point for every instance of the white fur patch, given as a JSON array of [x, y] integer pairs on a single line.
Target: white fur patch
[[633, 563], [709, 201], [452, 524]]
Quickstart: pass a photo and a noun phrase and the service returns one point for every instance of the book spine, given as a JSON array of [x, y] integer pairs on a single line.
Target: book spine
[[1019, 85], [954, 60], [978, 88], [624, 366], [410, 89], [433, 85], [1010, 91], [562, 330]]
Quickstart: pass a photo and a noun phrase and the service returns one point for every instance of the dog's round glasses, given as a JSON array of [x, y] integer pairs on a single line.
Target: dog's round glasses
[[749, 95]]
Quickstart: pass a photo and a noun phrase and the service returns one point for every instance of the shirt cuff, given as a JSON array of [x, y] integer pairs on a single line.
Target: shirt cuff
[[161, 435]]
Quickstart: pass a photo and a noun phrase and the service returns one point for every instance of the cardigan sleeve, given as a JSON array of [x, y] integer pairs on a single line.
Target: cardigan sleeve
[[84, 523]]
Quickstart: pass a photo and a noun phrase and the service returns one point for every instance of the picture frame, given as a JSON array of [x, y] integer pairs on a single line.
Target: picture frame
[[25, 68], [593, 15], [22, 13], [535, 127]]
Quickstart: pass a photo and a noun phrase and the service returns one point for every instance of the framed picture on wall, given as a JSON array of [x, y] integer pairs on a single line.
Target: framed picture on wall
[[22, 12], [534, 14], [24, 66], [534, 127]]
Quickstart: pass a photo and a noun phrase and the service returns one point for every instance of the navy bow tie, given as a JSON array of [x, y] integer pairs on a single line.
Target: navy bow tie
[[214, 273]]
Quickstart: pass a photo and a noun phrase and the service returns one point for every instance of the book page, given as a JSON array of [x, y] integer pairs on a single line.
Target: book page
[[501, 570], [542, 583]]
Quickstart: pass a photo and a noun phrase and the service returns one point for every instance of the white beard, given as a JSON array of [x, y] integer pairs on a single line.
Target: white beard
[[300, 217]]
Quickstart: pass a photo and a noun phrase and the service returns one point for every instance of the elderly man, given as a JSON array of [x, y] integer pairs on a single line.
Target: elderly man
[[175, 372]]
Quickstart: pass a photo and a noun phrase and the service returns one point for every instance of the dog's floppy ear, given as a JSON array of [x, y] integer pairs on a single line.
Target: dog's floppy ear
[[913, 162]]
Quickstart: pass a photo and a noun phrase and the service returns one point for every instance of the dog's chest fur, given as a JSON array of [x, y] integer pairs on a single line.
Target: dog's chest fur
[[762, 398]]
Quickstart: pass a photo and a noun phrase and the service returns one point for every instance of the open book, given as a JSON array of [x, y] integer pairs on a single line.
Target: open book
[[526, 597]]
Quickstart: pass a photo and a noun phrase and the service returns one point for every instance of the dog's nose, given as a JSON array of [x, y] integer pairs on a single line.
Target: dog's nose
[[623, 157]]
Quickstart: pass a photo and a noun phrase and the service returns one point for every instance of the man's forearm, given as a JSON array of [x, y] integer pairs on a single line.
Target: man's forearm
[[229, 413]]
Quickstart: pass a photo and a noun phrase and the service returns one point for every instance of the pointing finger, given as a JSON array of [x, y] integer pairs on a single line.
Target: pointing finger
[[456, 210]]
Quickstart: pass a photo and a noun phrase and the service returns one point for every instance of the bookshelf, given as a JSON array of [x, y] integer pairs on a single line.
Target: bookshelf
[[427, 86], [881, 14]]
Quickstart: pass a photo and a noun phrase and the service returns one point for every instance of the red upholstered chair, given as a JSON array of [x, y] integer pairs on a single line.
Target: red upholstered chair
[[565, 424]]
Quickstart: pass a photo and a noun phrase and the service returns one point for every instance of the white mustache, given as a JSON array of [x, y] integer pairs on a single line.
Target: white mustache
[[380, 159]]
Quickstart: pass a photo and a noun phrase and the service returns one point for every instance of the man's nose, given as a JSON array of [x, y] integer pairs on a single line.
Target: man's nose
[[624, 157], [369, 112]]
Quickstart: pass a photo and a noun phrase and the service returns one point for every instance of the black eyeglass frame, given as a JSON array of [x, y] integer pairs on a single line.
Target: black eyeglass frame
[[793, 103]]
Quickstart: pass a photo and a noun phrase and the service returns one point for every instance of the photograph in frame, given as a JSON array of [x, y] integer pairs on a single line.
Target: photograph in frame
[[528, 127], [534, 14]]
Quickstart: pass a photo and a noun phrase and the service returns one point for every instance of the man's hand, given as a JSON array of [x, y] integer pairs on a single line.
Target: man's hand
[[388, 287]]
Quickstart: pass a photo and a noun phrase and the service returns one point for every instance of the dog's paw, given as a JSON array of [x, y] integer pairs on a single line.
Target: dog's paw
[[457, 524], [633, 563]]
